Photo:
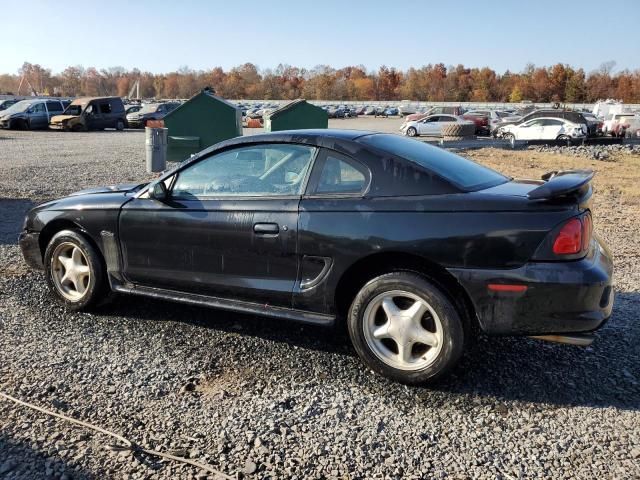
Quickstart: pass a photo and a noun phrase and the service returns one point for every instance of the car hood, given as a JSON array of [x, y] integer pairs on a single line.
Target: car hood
[[61, 118], [121, 188]]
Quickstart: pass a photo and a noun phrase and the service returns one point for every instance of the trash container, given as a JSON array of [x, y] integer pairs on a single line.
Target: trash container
[[200, 122], [182, 147], [296, 115], [156, 148]]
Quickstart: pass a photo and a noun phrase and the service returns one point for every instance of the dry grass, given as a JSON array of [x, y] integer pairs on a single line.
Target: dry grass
[[619, 178]]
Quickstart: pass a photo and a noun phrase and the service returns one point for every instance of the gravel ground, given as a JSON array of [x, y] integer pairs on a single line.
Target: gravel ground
[[261, 398]]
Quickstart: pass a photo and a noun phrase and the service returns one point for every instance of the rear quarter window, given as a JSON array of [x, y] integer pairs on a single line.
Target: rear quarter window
[[460, 172]]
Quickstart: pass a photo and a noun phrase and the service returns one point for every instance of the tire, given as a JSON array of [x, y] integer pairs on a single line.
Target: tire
[[508, 136], [465, 130], [436, 321], [563, 137], [88, 283], [25, 125], [412, 132], [120, 125]]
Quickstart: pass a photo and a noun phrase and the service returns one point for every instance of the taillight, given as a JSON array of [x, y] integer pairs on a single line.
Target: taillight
[[568, 241], [574, 236], [569, 238]]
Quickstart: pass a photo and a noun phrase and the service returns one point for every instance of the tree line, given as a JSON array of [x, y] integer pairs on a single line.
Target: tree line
[[433, 82]]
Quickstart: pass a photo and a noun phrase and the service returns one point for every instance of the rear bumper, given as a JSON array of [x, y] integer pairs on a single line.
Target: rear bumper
[[561, 297], [31, 249]]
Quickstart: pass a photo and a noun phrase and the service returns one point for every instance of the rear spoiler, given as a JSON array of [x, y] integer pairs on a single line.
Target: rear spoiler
[[565, 183]]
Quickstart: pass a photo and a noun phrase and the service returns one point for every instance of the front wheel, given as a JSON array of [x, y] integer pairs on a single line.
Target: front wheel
[[405, 328], [120, 125], [74, 270], [508, 136], [411, 132]]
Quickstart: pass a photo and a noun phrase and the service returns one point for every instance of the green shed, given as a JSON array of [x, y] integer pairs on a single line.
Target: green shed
[[200, 122], [296, 115]]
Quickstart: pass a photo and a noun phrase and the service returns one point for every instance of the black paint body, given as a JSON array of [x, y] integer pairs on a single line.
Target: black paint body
[[208, 252]]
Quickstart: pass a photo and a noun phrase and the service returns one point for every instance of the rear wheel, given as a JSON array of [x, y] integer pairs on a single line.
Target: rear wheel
[[405, 328], [120, 125], [74, 270], [411, 132]]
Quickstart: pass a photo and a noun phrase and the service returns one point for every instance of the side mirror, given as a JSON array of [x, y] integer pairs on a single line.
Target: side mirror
[[158, 191]]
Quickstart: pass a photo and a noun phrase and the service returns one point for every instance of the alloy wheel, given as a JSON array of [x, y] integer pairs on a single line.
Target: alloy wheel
[[70, 271], [403, 330]]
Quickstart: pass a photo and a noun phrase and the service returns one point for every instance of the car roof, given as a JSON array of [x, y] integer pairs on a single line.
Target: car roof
[[327, 137], [549, 118], [305, 134]]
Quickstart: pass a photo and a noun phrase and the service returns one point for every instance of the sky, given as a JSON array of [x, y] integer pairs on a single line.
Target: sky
[[164, 35]]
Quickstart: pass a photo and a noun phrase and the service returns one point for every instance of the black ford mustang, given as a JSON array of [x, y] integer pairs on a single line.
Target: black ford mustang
[[416, 248]]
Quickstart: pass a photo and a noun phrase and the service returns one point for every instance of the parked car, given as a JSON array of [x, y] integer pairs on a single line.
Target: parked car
[[352, 112], [430, 126], [132, 109], [370, 110], [456, 111], [407, 109], [481, 122], [545, 129], [150, 111], [30, 114], [391, 112], [414, 247], [91, 113], [615, 124], [594, 124], [571, 115], [494, 119], [335, 112], [7, 102], [360, 110]]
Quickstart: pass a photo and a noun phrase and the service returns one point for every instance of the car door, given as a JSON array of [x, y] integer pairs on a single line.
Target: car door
[[104, 114], [333, 199], [429, 126], [92, 116], [551, 128], [228, 227], [38, 116], [531, 130], [54, 107]]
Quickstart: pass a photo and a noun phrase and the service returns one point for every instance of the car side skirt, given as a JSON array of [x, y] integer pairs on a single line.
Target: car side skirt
[[227, 304]]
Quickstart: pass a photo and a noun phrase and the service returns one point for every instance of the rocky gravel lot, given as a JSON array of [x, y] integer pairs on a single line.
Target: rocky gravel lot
[[259, 398]]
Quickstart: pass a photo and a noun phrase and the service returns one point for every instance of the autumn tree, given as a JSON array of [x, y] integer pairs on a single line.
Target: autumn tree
[[559, 82]]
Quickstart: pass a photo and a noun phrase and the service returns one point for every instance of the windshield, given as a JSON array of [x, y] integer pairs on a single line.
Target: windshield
[[461, 172], [149, 108], [19, 107], [74, 109]]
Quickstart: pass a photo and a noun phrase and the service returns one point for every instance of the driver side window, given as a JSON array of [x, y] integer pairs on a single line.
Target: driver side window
[[254, 171]]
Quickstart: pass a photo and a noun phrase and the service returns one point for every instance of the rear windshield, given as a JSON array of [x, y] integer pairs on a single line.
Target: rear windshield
[[464, 174]]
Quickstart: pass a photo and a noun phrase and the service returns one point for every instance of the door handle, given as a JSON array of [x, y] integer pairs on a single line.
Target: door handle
[[266, 229]]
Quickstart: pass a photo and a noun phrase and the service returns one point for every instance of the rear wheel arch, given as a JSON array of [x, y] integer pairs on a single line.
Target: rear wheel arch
[[372, 266]]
